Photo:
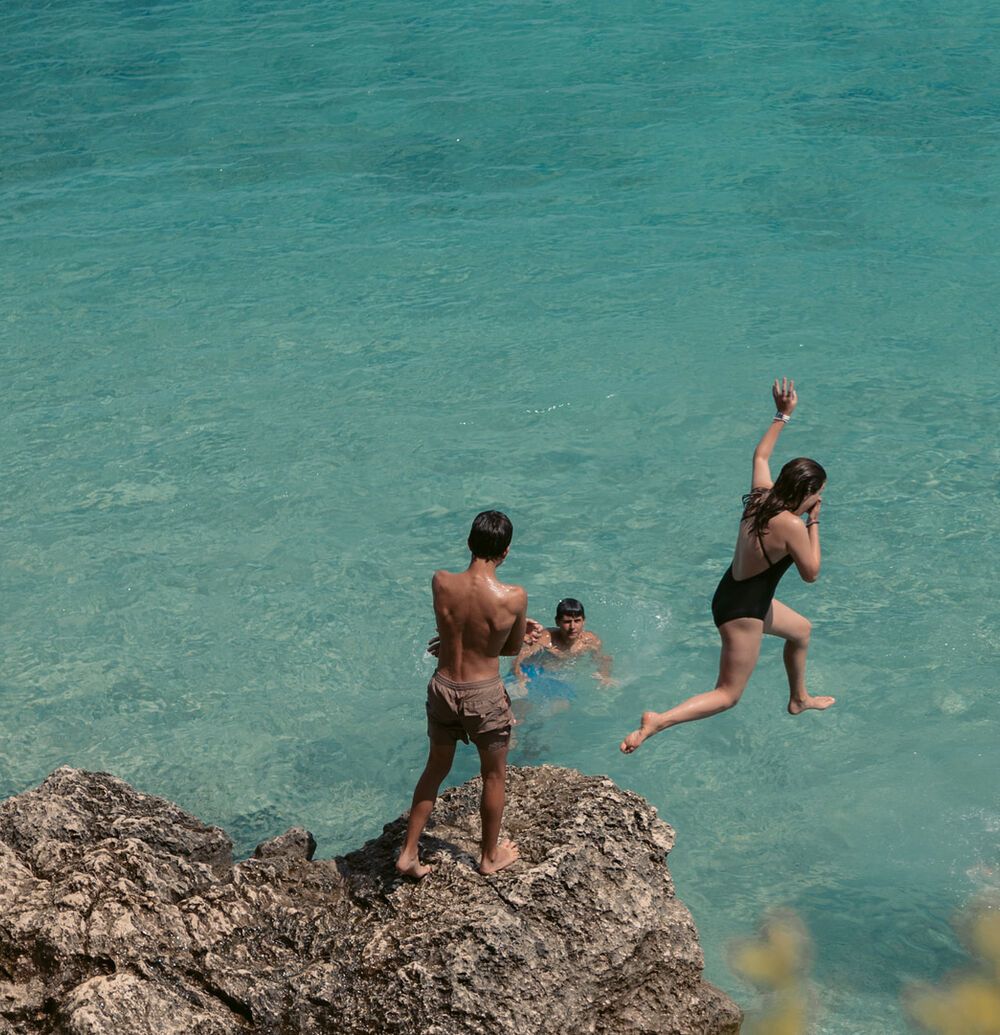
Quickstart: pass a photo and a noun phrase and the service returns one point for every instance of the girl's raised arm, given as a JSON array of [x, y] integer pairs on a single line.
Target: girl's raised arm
[[785, 399]]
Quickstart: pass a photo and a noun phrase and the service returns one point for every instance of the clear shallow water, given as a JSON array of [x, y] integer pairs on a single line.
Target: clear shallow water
[[292, 292]]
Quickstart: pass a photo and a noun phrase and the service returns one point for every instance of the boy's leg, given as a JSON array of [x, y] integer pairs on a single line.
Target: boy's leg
[[494, 853], [438, 766], [795, 630]]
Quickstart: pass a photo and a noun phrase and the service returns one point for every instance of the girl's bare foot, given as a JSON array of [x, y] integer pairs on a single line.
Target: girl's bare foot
[[503, 855], [411, 866], [807, 702], [647, 727]]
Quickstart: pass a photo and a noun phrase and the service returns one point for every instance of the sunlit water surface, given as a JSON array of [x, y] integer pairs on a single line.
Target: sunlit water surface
[[292, 291]]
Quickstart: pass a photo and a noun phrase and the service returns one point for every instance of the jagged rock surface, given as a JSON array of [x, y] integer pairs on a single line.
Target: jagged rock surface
[[120, 914]]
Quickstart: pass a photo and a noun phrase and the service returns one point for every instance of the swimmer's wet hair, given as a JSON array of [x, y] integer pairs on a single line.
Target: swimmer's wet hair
[[798, 478], [569, 606], [491, 534]]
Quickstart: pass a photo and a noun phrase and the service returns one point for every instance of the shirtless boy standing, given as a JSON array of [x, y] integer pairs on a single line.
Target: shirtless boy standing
[[479, 619]]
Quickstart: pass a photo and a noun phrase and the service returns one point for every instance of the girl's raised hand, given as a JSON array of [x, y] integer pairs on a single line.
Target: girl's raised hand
[[785, 396]]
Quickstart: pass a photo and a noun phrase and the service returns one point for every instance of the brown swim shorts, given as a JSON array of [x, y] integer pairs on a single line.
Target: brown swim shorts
[[479, 712]]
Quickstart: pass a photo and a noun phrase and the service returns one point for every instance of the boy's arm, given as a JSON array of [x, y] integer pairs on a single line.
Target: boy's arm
[[602, 660], [526, 652], [434, 643], [515, 638]]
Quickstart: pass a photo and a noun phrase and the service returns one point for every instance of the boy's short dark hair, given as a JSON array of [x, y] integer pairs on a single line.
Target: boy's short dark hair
[[569, 606], [491, 534]]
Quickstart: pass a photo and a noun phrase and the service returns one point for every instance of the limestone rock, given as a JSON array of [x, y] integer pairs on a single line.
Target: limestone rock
[[122, 915], [294, 843]]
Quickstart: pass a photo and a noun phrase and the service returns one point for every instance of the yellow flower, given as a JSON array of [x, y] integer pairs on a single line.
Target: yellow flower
[[984, 938], [776, 961], [777, 957], [788, 1016], [969, 1006], [969, 1003]]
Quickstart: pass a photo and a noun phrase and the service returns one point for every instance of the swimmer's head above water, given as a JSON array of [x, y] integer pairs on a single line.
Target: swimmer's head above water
[[570, 617], [569, 606]]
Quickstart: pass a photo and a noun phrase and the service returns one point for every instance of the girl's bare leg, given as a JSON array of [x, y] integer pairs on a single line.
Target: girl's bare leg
[[795, 630], [741, 640]]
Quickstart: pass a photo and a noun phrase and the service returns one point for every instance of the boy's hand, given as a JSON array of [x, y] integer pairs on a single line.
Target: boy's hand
[[434, 646], [785, 396], [532, 631]]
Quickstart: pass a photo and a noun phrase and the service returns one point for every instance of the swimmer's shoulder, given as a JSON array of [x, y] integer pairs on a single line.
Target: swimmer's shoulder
[[784, 525], [783, 519]]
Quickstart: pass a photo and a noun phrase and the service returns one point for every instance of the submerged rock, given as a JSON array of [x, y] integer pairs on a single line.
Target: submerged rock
[[120, 913]]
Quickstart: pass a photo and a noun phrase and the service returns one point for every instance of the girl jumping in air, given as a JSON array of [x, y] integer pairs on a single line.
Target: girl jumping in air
[[770, 539]]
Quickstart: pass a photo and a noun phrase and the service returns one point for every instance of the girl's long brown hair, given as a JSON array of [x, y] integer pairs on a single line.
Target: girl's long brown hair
[[798, 478]]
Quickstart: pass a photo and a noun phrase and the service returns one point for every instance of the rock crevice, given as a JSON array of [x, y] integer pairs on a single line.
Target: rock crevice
[[120, 913]]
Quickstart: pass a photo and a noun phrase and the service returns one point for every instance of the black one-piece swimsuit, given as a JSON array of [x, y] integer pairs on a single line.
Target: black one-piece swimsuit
[[748, 598]]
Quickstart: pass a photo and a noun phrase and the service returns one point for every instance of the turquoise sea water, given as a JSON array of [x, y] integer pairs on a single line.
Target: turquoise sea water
[[292, 291]]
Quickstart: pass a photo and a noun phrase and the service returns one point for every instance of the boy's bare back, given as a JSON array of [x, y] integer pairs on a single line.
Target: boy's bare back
[[479, 619]]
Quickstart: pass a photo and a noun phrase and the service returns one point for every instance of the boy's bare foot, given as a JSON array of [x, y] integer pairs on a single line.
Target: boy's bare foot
[[807, 702], [411, 866], [503, 855], [647, 727]]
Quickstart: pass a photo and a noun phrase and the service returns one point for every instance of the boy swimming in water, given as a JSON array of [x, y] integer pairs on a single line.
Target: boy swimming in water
[[567, 641], [479, 619]]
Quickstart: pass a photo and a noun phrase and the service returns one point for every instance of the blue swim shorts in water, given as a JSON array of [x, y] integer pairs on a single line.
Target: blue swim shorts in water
[[544, 685]]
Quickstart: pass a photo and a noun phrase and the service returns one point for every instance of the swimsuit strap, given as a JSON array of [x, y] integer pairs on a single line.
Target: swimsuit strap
[[763, 550]]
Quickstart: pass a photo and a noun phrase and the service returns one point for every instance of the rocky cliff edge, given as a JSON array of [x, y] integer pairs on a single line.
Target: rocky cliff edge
[[120, 913]]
